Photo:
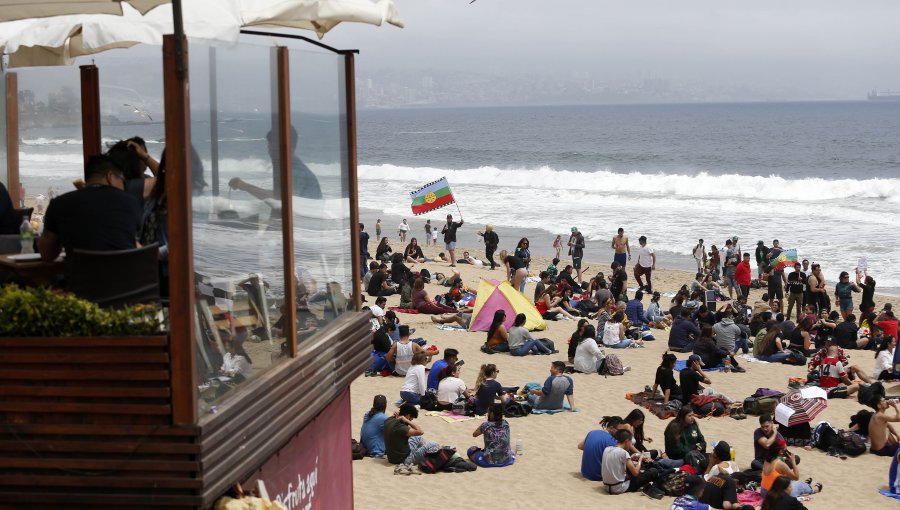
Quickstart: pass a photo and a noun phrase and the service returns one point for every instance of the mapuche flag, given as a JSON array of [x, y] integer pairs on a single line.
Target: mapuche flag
[[785, 259], [431, 196]]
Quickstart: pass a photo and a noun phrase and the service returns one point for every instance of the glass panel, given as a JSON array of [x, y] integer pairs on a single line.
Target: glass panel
[[238, 257], [322, 250], [50, 151]]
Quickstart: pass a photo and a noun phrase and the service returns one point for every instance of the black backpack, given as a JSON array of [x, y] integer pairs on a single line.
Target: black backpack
[[851, 443], [517, 410], [434, 462], [357, 450]]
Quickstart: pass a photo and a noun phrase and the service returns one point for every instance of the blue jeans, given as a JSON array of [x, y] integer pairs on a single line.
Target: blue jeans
[[530, 346], [410, 397], [798, 488], [417, 448], [777, 357], [501, 348], [741, 343], [669, 463], [624, 344]]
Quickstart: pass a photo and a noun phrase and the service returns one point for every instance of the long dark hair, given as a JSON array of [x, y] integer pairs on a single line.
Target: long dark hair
[[633, 417], [772, 331], [589, 332], [579, 332], [520, 320], [379, 404], [499, 317], [779, 486], [883, 344], [677, 423], [495, 413], [872, 325], [668, 360]]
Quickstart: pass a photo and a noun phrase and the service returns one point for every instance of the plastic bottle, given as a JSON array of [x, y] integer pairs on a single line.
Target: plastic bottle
[[26, 234], [727, 365], [520, 446]]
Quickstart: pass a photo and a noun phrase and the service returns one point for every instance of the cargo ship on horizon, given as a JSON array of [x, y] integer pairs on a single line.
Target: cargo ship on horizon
[[874, 95]]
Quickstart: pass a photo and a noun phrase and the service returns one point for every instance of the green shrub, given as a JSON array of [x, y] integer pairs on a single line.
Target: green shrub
[[41, 312]]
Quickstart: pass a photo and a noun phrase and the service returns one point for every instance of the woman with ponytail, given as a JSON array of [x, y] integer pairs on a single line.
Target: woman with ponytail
[[372, 434]]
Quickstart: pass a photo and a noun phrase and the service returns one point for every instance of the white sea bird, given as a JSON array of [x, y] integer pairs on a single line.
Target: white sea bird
[[138, 111]]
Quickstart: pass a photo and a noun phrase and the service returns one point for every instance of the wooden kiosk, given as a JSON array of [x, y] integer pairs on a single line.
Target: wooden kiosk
[[132, 422]]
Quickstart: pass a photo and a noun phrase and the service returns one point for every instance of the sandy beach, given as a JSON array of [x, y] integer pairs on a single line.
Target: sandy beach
[[549, 471]]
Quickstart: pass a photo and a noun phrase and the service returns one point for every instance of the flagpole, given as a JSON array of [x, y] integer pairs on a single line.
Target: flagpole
[[457, 209]]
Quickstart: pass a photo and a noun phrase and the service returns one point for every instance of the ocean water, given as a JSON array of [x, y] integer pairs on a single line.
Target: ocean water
[[823, 178]]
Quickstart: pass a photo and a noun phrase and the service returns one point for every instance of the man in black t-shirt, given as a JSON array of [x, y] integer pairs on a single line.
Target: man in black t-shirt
[[845, 334], [449, 232], [618, 281], [691, 377], [720, 492], [99, 217], [378, 285], [796, 284]]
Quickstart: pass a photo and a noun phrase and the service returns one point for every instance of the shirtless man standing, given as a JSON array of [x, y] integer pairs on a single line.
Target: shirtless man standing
[[620, 245], [882, 437]]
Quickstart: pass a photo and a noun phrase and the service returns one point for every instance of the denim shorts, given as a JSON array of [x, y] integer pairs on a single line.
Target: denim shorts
[[451, 246], [846, 304]]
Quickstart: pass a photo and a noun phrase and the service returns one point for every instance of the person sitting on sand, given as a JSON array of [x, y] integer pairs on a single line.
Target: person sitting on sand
[[565, 278], [588, 355], [497, 335], [711, 354], [400, 274], [614, 333], [683, 333], [422, 302], [728, 335], [621, 469], [634, 310], [780, 462], [549, 307], [401, 353], [884, 359], [690, 378], [764, 437], [665, 379], [683, 435], [383, 250], [378, 284], [521, 342], [373, 268], [488, 389], [575, 339], [415, 385], [557, 387], [552, 270], [772, 347], [779, 496], [496, 451], [437, 371], [515, 270], [371, 435], [720, 491], [654, 315], [595, 444], [452, 388], [403, 441], [883, 439], [833, 373], [634, 422], [413, 252]]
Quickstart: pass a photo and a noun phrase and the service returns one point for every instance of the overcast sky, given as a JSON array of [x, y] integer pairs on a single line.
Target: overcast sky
[[838, 47]]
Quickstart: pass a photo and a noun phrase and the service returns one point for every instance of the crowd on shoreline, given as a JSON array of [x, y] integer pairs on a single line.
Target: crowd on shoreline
[[700, 319]]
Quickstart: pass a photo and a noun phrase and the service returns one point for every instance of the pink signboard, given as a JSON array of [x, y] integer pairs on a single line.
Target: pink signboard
[[312, 471]]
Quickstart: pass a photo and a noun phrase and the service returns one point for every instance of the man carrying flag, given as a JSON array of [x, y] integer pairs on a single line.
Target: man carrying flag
[[434, 196], [778, 259]]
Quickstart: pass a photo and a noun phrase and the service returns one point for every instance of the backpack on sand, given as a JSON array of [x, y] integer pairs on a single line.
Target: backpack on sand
[[674, 484], [611, 365]]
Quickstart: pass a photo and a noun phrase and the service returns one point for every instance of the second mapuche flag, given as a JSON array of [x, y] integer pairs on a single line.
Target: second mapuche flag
[[431, 196]]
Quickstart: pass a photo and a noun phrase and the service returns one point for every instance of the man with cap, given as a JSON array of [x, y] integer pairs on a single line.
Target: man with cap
[[690, 378], [576, 250], [449, 232], [720, 490], [796, 284], [777, 278]]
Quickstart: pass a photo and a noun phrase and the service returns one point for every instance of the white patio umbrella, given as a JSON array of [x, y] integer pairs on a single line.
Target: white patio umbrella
[[25, 9], [59, 40]]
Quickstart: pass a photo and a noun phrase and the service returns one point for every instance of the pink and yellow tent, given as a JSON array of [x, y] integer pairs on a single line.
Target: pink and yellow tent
[[493, 296]]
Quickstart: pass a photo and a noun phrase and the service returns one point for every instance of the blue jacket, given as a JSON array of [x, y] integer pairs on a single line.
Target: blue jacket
[[634, 310], [678, 336]]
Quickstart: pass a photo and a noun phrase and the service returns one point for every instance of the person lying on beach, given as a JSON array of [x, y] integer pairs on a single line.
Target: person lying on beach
[[496, 451], [468, 259], [595, 443], [557, 387], [682, 434], [413, 252], [521, 342], [488, 389], [883, 438], [458, 318], [588, 356]]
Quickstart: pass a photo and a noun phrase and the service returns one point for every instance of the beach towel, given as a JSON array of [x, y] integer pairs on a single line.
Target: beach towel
[[403, 310], [751, 498], [448, 416], [448, 327], [652, 403], [552, 411], [682, 364]]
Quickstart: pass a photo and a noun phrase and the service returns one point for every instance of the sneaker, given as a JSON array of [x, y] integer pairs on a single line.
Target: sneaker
[[739, 370], [413, 470], [653, 492]]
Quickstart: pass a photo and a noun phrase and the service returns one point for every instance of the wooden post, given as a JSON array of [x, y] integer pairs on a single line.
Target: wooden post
[[181, 262], [12, 138], [90, 111], [285, 157], [350, 84]]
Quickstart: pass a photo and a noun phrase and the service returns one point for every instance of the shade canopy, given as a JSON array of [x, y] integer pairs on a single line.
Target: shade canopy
[[59, 40], [11, 10]]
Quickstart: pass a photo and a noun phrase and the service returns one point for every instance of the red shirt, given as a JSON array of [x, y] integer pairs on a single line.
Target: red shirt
[[831, 371], [742, 273], [888, 328]]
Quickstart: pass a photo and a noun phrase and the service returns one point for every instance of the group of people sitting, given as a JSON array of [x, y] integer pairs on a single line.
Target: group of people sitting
[[618, 456]]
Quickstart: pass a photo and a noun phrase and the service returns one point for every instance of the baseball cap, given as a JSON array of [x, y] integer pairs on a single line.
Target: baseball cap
[[734, 238], [574, 229], [695, 358]]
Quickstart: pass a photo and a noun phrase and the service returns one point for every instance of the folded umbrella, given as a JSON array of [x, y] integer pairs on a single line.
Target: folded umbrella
[[794, 408]]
